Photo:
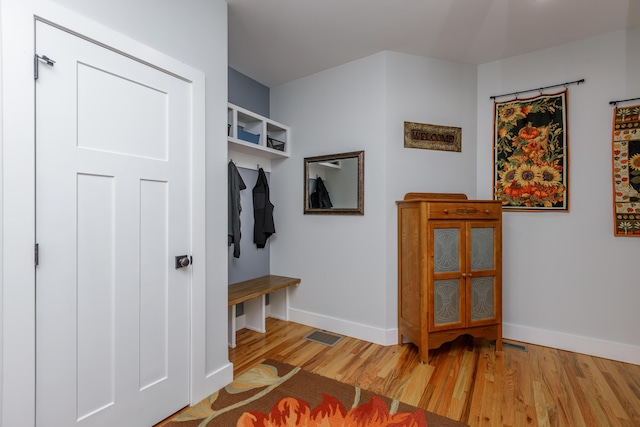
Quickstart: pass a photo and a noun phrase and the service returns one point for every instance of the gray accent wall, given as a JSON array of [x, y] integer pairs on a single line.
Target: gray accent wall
[[253, 262], [248, 93]]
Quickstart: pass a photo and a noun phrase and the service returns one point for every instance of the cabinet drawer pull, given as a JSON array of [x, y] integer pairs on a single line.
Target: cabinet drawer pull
[[446, 211], [466, 211], [487, 211]]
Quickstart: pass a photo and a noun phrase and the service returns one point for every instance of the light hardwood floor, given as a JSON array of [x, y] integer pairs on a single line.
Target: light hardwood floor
[[464, 380]]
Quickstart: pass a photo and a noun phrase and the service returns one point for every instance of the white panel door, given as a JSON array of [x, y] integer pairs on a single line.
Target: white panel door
[[113, 149]]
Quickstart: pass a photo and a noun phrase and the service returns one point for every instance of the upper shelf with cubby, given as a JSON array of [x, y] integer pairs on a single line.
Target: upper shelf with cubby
[[254, 134]]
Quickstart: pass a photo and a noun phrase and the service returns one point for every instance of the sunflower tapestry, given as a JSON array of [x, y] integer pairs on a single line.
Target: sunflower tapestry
[[531, 153], [626, 171]]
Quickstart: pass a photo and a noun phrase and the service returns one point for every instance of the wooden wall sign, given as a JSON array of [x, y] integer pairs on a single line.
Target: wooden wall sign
[[432, 137]]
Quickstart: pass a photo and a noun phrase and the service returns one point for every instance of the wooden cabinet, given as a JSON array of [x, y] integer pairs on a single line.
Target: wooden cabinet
[[449, 269]]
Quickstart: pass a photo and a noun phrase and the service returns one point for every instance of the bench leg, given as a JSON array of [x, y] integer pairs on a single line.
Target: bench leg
[[255, 313], [232, 326], [279, 304]]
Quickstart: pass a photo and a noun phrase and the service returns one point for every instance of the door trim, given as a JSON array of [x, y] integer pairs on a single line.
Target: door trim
[[18, 205]]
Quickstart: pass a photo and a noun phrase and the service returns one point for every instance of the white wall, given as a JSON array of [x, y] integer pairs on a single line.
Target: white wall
[[340, 259], [348, 265], [1, 233], [425, 90], [568, 283], [193, 32]]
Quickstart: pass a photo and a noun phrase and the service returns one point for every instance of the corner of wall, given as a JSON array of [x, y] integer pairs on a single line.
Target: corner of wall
[[1, 222]]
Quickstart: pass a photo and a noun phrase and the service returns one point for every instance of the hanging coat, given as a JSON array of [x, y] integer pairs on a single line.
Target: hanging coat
[[263, 226], [235, 185], [320, 196]]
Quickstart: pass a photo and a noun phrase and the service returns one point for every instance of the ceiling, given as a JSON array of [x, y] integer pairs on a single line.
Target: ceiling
[[276, 41]]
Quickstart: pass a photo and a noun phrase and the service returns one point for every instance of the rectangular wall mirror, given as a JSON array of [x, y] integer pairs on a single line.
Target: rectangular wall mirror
[[334, 184]]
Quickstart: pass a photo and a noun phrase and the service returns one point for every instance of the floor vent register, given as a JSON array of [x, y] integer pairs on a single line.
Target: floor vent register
[[324, 338]]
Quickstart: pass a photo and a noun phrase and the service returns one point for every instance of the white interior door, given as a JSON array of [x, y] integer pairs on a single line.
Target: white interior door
[[113, 188]]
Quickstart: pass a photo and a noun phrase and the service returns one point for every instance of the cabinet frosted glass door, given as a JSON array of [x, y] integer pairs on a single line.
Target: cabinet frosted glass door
[[448, 263], [482, 272], [446, 302]]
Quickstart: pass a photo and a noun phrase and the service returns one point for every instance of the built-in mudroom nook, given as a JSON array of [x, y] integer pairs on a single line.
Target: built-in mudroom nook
[[254, 142]]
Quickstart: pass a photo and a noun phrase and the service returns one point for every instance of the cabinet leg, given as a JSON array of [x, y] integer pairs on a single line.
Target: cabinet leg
[[424, 355]]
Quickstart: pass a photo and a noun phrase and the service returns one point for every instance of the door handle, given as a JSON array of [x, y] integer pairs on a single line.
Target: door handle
[[183, 261]]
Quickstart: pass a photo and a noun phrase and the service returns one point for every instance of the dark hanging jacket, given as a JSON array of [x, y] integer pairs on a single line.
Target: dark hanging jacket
[[235, 185], [320, 196], [263, 226]]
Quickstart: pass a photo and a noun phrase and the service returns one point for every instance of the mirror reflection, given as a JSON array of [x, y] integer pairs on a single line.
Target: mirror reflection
[[334, 184]]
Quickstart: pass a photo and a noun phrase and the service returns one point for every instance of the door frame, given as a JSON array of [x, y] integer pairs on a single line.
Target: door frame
[[17, 338]]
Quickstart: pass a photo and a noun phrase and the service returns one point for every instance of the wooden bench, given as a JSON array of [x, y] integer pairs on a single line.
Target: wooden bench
[[253, 294]]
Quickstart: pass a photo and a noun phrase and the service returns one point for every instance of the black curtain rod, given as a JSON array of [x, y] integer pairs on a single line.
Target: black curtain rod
[[615, 103], [577, 82]]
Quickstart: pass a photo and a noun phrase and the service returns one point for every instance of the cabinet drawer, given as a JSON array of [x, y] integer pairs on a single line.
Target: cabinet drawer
[[464, 210]]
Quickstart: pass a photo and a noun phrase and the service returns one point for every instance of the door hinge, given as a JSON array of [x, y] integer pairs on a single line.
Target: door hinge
[[36, 254], [36, 63]]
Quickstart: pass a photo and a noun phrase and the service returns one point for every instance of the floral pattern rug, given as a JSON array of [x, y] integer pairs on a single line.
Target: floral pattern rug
[[531, 153], [275, 394], [626, 171]]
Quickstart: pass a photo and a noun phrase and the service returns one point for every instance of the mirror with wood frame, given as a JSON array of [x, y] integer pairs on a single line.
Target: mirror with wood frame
[[334, 184]]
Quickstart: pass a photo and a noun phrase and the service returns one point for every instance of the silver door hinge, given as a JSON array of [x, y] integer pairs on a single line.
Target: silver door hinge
[[36, 254], [36, 63]]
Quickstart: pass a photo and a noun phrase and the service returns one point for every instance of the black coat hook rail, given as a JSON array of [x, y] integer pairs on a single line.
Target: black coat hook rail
[[540, 89], [615, 103]]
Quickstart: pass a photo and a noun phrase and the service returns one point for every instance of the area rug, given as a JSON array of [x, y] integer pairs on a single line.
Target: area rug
[[275, 394], [626, 171], [531, 153]]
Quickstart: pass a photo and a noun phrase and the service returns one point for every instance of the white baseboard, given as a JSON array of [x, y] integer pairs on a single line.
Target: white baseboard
[[214, 381], [345, 327], [575, 343]]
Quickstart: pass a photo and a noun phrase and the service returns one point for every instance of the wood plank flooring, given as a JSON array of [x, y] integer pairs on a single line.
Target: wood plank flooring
[[525, 385]]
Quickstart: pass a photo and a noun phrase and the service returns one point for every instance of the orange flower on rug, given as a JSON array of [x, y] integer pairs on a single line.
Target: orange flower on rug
[[274, 394], [292, 412]]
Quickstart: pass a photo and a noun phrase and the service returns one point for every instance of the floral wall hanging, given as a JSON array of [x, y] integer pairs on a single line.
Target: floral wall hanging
[[531, 153], [626, 171]]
